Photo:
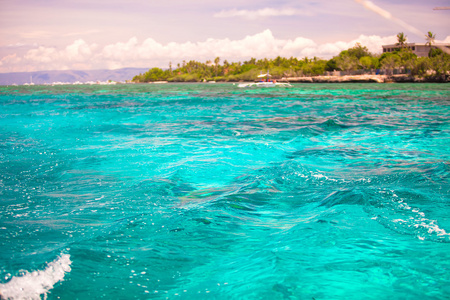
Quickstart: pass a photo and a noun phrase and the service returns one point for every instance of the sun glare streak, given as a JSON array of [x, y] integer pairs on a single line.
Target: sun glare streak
[[387, 15]]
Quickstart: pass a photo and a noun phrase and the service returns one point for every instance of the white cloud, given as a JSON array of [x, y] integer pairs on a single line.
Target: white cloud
[[77, 54], [42, 55], [10, 60], [446, 41], [262, 13], [150, 53], [119, 51], [372, 42], [79, 50]]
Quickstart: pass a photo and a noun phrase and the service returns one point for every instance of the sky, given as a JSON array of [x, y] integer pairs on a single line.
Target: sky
[[40, 35]]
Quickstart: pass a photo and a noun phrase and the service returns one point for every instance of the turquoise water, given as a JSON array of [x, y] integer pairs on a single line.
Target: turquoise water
[[207, 191]]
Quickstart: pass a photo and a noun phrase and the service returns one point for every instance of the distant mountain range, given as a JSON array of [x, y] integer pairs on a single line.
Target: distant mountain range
[[69, 76]]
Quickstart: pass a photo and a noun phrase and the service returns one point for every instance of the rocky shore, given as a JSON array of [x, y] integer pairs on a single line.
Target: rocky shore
[[362, 79]]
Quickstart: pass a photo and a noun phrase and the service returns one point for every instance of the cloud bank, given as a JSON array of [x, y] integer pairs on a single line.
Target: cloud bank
[[149, 53]]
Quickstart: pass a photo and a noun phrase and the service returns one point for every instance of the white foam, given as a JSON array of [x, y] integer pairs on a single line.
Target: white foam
[[32, 285], [320, 176], [418, 220]]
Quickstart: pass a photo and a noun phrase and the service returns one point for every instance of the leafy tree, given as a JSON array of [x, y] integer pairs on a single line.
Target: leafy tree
[[138, 78], [318, 67], [368, 62], [407, 58], [153, 74], [391, 62], [440, 64], [347, 62], [331, 65], [359, 51], [421, 66], [435, 52], [252, 61]]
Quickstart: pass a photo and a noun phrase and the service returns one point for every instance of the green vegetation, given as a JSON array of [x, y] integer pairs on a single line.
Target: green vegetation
[[356, 60], [194, 71]]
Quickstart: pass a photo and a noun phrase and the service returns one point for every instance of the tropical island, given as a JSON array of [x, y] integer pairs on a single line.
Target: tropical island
[[399, 65]]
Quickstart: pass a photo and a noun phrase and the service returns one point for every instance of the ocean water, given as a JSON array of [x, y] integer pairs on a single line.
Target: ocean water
[[208, 191]]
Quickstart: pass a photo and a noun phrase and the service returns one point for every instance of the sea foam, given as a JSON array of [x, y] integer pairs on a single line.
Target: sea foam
[[31, 285]]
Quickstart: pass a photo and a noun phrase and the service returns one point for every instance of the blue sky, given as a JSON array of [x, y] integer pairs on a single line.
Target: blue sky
[[81, 34]]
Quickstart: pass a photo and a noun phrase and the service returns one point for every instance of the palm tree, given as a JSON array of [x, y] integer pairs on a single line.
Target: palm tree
[[430, 38], [216, 64], [401, 38]]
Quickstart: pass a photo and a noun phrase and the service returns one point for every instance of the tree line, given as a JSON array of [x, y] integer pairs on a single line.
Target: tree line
[[357, 58]]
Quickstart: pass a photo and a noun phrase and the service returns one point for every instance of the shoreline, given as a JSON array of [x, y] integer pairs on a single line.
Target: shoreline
[[306, 79], [364, 79]]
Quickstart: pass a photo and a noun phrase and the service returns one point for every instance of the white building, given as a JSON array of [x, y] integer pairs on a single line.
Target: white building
[[421, 50]]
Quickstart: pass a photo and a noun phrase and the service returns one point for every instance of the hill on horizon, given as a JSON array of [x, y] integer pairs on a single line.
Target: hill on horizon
[[69, 76]]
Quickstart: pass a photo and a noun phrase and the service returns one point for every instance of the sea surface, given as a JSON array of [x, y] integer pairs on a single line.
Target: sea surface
[[208, 191]]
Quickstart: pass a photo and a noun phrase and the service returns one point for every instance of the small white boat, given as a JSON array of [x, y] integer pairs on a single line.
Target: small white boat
[[264, 82]]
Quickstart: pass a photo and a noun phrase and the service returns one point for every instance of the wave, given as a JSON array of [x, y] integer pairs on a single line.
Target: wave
[[395, 213], [31, 285]]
